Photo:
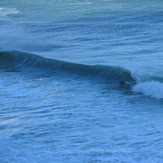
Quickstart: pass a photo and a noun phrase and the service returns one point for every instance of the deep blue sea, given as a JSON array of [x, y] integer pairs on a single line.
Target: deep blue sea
[[81, 81]]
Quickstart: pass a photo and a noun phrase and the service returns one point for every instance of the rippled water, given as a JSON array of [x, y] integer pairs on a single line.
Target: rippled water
[[81, 81]]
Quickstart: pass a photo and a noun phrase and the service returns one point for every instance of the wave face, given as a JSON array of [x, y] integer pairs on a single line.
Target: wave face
[[20, 60]]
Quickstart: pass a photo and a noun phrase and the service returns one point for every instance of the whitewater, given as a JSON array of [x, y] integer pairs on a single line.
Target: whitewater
[[81, 81]]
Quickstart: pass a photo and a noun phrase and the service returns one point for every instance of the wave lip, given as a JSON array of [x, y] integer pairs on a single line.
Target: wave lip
[[153, 89]]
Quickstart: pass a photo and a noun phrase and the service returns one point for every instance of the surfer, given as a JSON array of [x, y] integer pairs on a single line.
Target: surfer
[[123, 84]]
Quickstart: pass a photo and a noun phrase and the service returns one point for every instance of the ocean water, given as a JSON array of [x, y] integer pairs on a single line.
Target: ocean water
[[81, 81]]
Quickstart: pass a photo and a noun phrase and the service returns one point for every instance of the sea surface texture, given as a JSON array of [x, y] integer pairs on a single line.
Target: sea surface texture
[[81, 81]]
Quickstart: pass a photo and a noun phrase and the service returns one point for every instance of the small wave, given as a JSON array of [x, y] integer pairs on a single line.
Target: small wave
[[8, 11], [14, 60], [153, 89]]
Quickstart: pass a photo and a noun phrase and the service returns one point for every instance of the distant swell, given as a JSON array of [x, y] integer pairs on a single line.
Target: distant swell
[[15, 60]]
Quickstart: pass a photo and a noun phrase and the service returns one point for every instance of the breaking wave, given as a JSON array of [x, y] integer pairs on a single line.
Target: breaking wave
[[153, 89], [20, 60], [14, 59]]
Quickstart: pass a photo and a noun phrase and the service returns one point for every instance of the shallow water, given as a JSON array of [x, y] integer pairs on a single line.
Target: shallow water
[[81, 81]]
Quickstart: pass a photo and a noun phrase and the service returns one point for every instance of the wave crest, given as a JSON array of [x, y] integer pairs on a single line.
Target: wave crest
[[115, 75], [22, 60]]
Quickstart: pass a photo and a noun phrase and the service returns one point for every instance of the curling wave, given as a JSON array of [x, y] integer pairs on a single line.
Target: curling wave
[[14, 59], [21, 60]]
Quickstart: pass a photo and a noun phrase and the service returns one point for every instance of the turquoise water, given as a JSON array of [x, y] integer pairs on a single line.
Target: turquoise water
[[81, 81]]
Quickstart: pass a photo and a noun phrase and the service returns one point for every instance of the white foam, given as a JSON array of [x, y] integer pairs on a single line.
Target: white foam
[[153, 89], [8, 11]]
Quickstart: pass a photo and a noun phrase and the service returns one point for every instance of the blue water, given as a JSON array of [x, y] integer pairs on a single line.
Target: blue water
[[81, 81]]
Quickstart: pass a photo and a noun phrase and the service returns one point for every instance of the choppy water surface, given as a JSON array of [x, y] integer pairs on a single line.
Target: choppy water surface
[[81, 81]]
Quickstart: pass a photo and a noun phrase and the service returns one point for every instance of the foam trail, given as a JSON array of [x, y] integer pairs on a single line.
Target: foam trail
[[153, 89]]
